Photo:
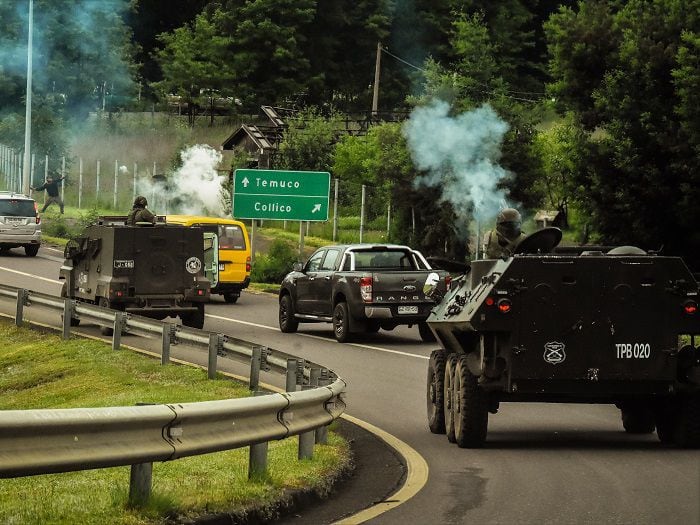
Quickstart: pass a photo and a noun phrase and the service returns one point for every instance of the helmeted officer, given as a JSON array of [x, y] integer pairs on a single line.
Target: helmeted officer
[[139, 212], [502, 241]]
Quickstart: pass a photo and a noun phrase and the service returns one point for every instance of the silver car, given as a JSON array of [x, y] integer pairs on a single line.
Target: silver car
[[20, 223]]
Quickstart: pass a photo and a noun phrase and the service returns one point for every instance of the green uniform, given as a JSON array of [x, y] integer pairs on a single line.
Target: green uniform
[[496, 245], [140, 215]]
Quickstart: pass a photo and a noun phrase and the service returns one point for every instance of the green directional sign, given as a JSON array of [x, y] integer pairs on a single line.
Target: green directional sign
[[276, 194]]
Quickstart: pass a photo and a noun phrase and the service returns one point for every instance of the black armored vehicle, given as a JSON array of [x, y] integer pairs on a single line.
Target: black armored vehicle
[[156, 270], [619, 327]]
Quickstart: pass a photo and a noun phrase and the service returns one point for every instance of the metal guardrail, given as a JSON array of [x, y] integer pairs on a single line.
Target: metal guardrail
[[62, 440]]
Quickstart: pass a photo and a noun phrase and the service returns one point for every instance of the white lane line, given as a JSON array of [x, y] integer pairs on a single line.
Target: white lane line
[[31, 275], [358, 345]]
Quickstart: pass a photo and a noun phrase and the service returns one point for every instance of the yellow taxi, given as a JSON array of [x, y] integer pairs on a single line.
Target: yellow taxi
[[226, 253]]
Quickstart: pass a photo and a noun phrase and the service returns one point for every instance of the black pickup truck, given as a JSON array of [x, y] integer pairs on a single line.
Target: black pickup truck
[[360, 288]]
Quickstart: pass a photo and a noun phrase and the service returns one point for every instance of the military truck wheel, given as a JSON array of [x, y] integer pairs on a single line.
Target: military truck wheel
[[435, 391], [231, 298], [195, 319], [341, 323], [687, 431], [426, 333], [105, 330], [471, 414], [31, 250], [449, 397], [638, 420], [288, 324]]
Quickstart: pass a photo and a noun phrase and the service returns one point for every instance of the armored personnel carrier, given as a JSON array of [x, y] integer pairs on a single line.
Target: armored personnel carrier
[[154, 270], [617, 327]]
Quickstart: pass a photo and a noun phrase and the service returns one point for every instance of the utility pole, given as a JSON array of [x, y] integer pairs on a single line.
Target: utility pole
[[377, 68], [26, 183]]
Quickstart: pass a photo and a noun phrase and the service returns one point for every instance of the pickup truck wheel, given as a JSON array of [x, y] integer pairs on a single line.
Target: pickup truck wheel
[[288, 324], [426, 333], [435, 391], [448, 396], [341, 323], [31, 250], [638, 420], [372, 327], [471, 414]]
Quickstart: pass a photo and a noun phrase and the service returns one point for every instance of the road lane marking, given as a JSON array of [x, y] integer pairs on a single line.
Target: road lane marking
[[358, 345], [417, 471], [31, 275]]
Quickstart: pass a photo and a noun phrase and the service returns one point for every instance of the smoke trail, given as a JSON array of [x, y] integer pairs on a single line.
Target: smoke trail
[[193, 189], [460, 156]]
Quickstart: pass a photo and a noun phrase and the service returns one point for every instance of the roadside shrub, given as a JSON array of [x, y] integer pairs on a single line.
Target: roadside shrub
[[272, 268], [54, 225]]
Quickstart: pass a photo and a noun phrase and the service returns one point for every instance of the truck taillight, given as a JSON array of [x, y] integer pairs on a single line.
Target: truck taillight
[[36, 213], [366, 289], [504, 305], [448, 280], [247, 264], [690, 307]]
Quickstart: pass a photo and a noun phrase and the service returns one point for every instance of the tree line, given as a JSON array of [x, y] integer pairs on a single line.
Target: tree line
[[600, 97]]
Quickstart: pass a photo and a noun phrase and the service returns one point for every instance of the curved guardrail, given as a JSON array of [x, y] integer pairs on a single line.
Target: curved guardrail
[[62, 440]]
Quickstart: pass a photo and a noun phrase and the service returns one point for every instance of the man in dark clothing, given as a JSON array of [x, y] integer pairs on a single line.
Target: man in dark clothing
[[139, 212], [51, 187]]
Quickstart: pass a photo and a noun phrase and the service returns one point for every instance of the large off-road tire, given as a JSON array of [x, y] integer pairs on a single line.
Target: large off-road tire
[[105, 330], [195, 319], [342, 325], [31, 250], [434, 391], [471, 415], [638, 420], [288, 324], [426, 334], [231, 297], [687, 429], [449, 396]]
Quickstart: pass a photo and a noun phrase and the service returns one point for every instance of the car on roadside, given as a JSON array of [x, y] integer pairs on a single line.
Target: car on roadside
[[20, 223]]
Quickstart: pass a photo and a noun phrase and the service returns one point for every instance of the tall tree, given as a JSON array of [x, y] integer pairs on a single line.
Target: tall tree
[[643, 176]]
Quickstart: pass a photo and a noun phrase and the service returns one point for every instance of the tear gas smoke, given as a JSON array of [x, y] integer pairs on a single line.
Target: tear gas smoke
[[195, 188], [123, 170], [459, 155]]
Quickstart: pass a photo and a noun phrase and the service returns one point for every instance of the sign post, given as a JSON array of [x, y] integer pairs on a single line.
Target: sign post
[[282, 195]]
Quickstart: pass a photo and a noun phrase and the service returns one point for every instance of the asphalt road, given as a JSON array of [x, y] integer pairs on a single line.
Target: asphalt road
[[543, 463]]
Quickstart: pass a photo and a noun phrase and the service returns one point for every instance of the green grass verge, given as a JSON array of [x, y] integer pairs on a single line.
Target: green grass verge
[[40, 370]]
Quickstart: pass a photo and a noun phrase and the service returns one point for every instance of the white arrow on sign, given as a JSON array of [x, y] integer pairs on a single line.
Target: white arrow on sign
[[245, 182], [317, 207]]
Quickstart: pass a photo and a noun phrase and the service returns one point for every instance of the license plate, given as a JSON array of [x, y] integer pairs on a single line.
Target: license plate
[[222, 267], [408, 309], [14, 220]]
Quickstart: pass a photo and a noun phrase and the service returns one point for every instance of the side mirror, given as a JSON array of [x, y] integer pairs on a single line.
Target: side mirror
[[430, 288], [298, 267]]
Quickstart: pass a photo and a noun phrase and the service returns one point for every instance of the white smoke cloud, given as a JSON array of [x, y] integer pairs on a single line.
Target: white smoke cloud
[[193, 189], [460, 156]]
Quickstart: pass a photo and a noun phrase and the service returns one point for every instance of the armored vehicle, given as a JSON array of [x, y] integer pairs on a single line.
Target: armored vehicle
[[617, 327], [155, 270]]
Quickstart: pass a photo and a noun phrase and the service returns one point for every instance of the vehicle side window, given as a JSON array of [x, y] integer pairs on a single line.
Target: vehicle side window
[[330, 260], [314, 263], [347, 263]]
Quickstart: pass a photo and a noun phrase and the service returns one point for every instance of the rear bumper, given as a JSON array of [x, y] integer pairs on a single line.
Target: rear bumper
[[229, 287], [391, 313], [12, 241]]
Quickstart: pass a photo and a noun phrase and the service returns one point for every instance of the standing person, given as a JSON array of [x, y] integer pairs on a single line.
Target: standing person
[[139, 212], [502, 241], [51, 187]]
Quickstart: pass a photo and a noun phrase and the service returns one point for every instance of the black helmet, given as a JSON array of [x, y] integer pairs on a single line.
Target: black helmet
[[140, 201], [508, 223]]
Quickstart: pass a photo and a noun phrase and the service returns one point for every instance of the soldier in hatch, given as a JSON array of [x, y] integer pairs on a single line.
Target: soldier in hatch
[[139, 212], [502, 241]]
